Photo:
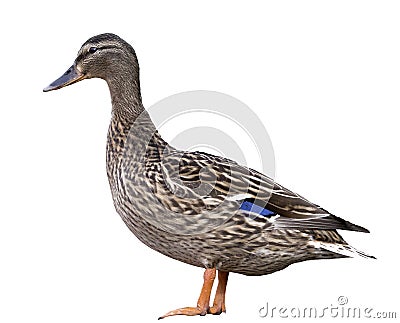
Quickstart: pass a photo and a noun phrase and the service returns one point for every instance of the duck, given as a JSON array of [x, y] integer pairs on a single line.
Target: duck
[[201, 209]]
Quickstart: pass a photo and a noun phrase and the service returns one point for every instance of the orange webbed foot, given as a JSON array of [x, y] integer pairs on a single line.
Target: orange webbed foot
[[203, 304], [219, 300]]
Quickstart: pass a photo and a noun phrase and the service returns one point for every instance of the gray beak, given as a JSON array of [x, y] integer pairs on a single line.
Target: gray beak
[[72, 75]]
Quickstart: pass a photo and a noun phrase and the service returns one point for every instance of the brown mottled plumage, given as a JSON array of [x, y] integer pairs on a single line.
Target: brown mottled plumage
[[191, 206]]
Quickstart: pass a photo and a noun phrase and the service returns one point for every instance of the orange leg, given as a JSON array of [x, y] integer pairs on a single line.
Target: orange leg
[[203, 303], [219, 300]]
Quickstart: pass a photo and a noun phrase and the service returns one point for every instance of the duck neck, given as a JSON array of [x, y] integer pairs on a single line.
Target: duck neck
[[125, 96]]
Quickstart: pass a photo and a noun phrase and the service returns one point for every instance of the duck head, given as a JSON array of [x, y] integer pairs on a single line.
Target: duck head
[[104, 56]]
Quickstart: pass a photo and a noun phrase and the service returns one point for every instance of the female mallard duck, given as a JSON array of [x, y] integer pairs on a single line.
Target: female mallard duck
[[201, 209]]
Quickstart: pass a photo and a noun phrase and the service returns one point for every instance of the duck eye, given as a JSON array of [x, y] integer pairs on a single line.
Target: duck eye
[[92, 50]]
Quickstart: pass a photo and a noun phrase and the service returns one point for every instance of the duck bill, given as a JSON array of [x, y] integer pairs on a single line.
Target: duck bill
[[71, 76]]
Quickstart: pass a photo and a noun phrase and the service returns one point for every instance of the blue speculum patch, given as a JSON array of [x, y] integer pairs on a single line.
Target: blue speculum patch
[[254, 208]]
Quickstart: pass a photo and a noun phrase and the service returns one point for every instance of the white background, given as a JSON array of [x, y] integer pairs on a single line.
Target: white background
[[322, 75]]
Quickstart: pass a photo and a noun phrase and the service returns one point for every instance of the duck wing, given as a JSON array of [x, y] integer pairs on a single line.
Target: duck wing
[[210, 179]]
